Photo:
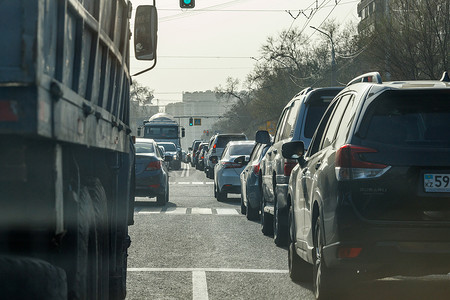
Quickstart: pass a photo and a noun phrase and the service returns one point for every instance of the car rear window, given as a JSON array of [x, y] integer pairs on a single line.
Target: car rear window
[[169, 147], [222, 141], [244, 149], [144, 148], [409, 118], [316, 109]]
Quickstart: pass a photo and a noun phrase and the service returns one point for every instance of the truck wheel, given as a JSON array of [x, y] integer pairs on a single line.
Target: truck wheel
[[31, 278], [99, 201], [82, 248], [266, 219]]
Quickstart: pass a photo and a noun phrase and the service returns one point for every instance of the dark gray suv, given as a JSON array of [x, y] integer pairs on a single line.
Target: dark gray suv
[[298, 122], [371, 195]]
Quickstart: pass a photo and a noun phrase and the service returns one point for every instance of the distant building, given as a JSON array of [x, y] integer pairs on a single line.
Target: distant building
[[205, 107], [370, 11]]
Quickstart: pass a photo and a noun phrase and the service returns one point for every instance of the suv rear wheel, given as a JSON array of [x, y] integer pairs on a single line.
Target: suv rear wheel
[[299, 270]]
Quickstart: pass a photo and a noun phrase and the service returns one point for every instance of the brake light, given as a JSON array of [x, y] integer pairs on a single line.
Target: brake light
[[230, 165], [215, 145], [346, 252], [349, 164], [288, 166], [256, 169], [153, 166]]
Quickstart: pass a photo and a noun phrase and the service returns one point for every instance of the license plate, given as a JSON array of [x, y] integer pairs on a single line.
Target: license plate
[[436, 183]]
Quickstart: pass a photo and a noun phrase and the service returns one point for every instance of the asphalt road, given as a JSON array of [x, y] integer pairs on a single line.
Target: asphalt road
[[198, 248]]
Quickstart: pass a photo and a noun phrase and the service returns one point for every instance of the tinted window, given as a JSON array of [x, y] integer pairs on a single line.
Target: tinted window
[[169, 147], [222, 141], [144, 148], [288, 129], [314, 146], [315, 110], [334, 123], [160, 132], [346, 122], [244, 149], [415, 118], [280, 125]]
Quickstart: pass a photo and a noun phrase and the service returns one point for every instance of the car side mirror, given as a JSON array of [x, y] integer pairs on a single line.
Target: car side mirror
[[241, 160], [213, 159], [262, 137], [293, 150]]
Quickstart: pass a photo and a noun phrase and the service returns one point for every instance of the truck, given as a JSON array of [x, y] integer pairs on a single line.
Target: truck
[[66, 154], [163, 127]]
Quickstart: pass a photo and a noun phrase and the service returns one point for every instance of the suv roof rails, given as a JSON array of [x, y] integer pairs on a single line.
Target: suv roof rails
[[445, 77], [374, 77], [304, 91]]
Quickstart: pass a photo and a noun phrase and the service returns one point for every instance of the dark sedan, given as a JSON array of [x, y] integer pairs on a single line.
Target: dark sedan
[[152, 175]]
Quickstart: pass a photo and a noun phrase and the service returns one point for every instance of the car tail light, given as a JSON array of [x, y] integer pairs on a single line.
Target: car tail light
[[345, 252], [154, 186], [230, 165], [288, 166], [256, 169], [349, 164], [202, 157], [153, 166]]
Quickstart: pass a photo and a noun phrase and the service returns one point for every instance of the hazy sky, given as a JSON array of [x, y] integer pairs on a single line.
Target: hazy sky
[[199, 48]]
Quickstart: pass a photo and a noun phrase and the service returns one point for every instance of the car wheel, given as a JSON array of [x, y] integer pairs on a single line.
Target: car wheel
[[221, 196], [243, 208], [324, 285], [163, 198], [215, 190], [280, 234], [299, 270], [266, 219], [252, 214]]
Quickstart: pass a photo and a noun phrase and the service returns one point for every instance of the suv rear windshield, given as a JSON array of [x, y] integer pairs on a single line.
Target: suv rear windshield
[[409, 118], [222, 141], [316, 108]]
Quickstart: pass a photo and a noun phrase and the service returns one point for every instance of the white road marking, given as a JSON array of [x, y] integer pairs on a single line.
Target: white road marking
[[145, 211], [201, 211], [198, 182], [176, 210], [183, 173], [209, 182], [199, 286], [183, 182], [224, 270], [227, 211]]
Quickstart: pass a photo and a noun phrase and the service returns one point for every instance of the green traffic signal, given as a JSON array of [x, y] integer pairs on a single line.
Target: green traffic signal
[[187, 3], [191, 120]]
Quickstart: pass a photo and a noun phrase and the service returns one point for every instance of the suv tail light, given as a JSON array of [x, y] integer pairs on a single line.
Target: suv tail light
[[349, 165], [288, 166], [256, 169], [153, 166]]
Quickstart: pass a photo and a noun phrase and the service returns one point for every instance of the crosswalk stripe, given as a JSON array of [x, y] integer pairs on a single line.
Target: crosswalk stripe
[[185, 211]]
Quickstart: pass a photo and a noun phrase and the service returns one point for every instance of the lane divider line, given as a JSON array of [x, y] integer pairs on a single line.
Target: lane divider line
[[199, 285], [222, 270]]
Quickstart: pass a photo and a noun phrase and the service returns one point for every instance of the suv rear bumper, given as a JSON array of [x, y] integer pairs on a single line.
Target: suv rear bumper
[[394, 250]]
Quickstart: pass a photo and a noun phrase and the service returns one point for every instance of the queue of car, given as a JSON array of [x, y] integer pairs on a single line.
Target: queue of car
[[355, 181]]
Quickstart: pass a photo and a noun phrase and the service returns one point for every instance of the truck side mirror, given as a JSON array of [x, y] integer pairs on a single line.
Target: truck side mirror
[[145, 32]]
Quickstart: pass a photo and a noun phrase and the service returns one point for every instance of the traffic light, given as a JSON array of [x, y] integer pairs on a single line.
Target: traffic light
[[187, 3], [191, 121]]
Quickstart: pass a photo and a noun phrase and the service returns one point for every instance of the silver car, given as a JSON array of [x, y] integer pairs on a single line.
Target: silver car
[[228, 169]]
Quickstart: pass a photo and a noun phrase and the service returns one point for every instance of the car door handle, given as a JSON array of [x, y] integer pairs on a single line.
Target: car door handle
[[275, 151], [318, 165]]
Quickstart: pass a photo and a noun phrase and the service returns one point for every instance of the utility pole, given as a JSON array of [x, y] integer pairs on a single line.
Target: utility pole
[[333, 56]]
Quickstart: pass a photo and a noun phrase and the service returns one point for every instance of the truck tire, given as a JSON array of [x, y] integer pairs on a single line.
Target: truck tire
[[83, 247], [99, 201], [31, 278]]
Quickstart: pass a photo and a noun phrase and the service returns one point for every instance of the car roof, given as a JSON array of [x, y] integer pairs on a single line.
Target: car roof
[[144, 140], [241, 142]]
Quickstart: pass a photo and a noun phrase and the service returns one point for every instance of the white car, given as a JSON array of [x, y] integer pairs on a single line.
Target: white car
[[228, 169]]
